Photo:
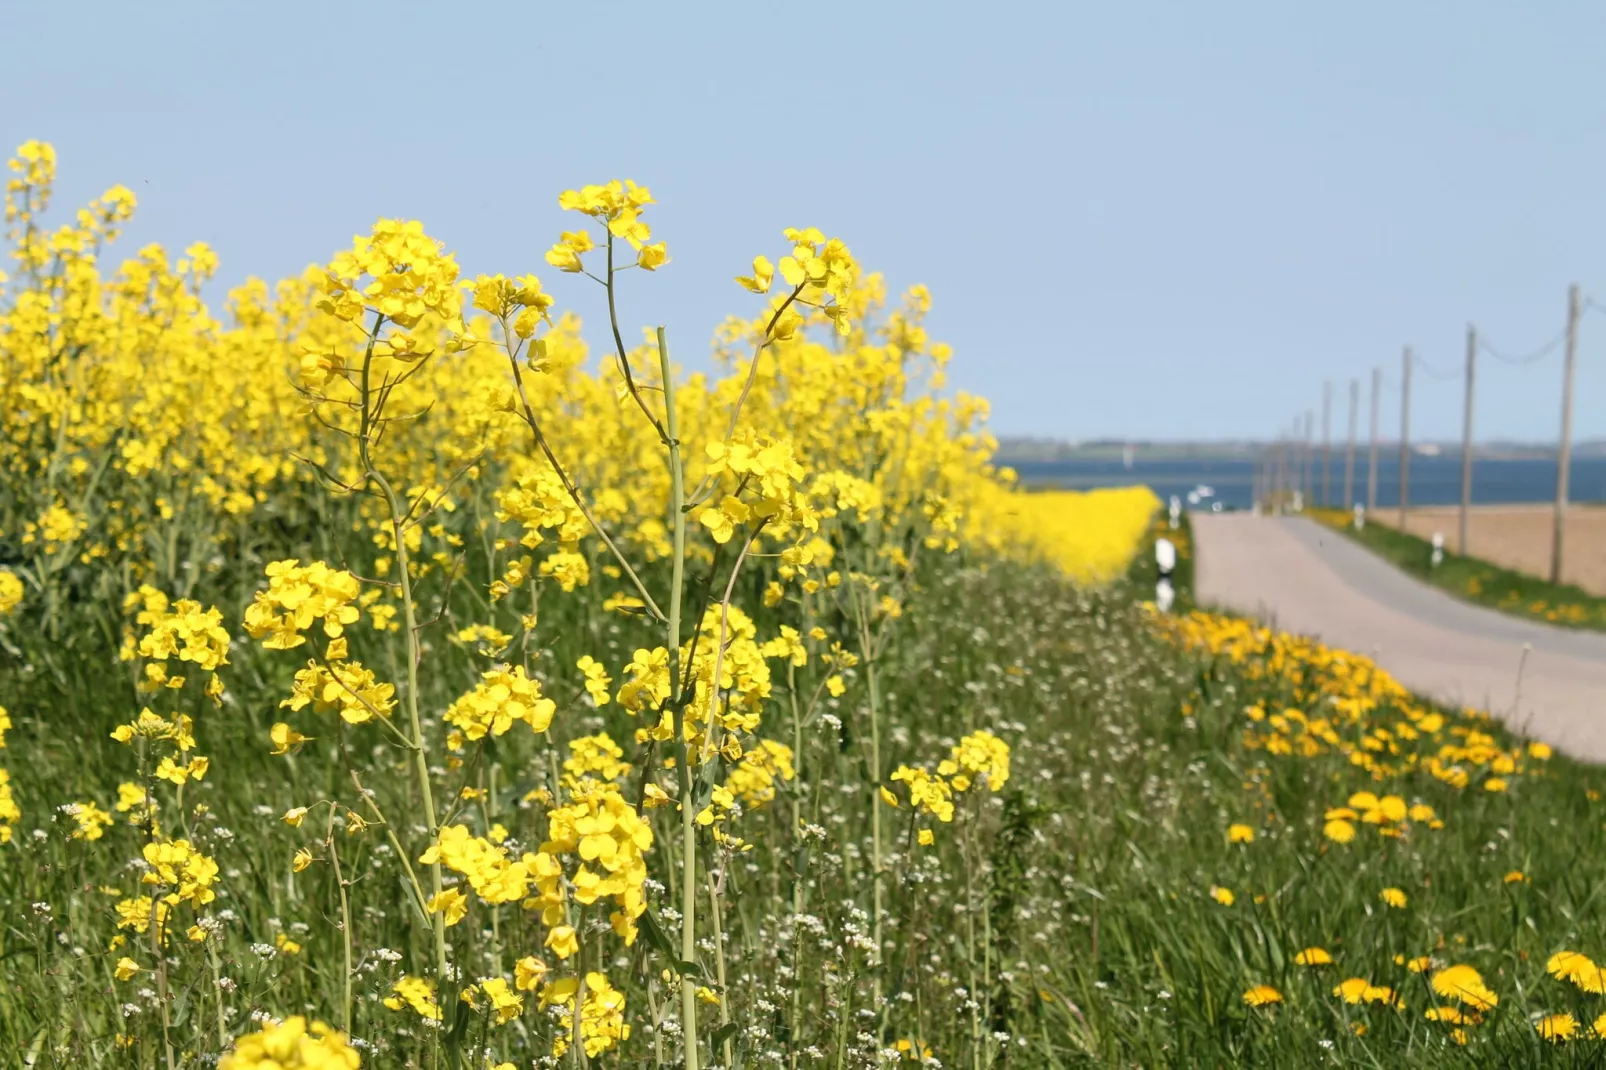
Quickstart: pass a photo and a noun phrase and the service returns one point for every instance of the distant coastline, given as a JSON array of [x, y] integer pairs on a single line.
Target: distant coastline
[[1017, 449], [1230, 477]]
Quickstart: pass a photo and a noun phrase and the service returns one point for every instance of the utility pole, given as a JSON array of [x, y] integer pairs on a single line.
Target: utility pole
[[1274, 472], [1466, 439], [1291, 473], [1310, 460], [1327, 444], [1405, 434], [1296, 463], [1564, 456], [1254, 482], [1290, 465], [1285, 490], [1349, 450], [1371, 460]]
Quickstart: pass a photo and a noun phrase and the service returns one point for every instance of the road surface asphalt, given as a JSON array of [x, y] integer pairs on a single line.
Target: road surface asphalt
[[1546, 682]]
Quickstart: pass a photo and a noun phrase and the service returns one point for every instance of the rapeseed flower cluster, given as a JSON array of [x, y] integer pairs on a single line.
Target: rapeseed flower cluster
[[502, 697], [978, 758], [293, 1044]]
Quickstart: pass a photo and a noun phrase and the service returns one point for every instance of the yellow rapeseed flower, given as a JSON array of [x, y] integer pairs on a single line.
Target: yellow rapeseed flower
[[293, 1044]]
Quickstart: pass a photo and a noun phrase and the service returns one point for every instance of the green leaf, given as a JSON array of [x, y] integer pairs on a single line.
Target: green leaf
[[656, 936]]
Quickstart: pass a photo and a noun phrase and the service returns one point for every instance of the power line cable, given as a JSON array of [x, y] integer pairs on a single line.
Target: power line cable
[[1527, 358], [1434, 373]]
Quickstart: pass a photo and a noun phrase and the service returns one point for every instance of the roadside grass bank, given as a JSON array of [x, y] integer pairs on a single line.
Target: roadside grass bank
[[1474, 580], [1217, 845]]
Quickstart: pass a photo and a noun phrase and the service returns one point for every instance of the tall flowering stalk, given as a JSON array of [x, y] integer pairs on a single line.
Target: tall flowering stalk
[[396, 277]]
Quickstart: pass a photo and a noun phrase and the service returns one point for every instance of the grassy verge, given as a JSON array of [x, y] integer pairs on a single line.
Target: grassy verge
[[1191, 808], [1475, 580], [1144, 570]]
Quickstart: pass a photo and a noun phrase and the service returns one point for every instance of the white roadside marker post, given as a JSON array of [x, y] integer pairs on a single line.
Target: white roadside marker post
[[1165, 556]]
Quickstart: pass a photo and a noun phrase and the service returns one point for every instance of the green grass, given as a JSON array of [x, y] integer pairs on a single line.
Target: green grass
[[1073, 906], [1474, 580], [1144, 571]]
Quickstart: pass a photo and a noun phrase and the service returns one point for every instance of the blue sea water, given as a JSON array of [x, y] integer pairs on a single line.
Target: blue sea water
[[1434, 480]]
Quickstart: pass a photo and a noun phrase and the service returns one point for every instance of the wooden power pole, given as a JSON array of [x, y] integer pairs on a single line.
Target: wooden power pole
[[1371, 459], [1349, 450], [1466, 440], [1309, 445], [1327, 444], [1564, 455], [1275, 461], [1405, 434]]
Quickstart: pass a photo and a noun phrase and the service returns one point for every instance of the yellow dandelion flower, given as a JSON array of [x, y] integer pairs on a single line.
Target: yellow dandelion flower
[[1352, 990], [1580, 969], [1262, 996], [1381, 994], [1465, 985], [1557, 1027]]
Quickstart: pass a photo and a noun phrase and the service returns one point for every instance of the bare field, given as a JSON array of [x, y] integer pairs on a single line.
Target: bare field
[[1518, 537]]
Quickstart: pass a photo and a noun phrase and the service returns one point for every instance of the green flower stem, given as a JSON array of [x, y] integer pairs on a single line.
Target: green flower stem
[[678, 698], [719, 961], [398, 515], [345, 925]]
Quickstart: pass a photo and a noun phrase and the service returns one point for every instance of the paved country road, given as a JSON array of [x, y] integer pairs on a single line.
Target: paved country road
[[1302, 577]]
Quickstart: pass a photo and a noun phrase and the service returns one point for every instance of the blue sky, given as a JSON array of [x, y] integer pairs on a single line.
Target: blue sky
[[1146, 219]]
